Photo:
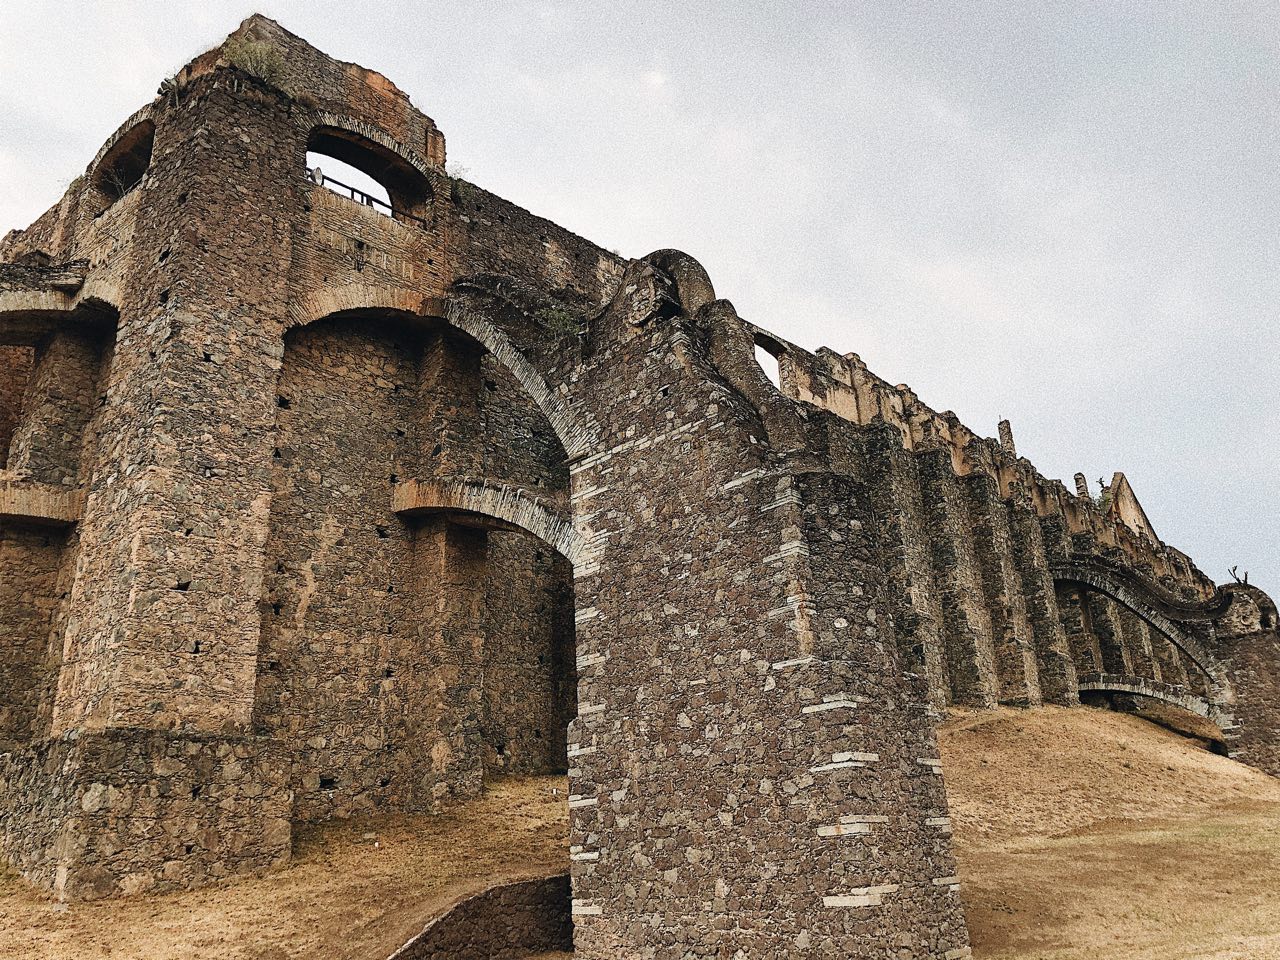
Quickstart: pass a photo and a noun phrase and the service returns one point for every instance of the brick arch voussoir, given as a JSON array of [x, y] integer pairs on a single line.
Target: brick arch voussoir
[[511, 505], [573, 427], [1109, 586]]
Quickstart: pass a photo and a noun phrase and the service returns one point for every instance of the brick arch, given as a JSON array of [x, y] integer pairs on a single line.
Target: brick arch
[[1151, 689], [360, 296], [367, 131], [572, 426], [498, 504]]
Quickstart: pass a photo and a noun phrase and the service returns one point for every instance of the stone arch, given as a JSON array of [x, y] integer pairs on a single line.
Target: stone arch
[[467, 607], [1111, 586], [572, 427], [1167, 617], [356, 127], [497, 504], [1142, 687]]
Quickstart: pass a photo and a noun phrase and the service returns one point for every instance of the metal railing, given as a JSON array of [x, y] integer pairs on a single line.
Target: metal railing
[[318, 177]]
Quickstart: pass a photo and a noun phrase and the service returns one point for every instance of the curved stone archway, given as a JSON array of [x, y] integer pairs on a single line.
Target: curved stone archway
[[1098, 578], [493, 504], [1151, 689]]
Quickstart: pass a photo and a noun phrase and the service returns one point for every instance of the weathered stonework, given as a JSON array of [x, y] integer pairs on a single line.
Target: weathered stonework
[[311, 509]]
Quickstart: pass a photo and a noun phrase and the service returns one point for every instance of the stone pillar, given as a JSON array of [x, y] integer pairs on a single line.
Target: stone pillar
[[15, 369], [1054, 664], [167, 624], [451, 570], [156, 687], [1172, 667], [894, 487], [1104, 623], [33, 576], [61, 397], [1015, 654], [1247, 643], [1006, 439], [1138, 639], [451, 424], [965, 621], [1082, 486], [1074, 616]]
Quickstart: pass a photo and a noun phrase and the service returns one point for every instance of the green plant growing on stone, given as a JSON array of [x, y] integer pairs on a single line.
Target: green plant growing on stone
[[558, 320], [258, 59]]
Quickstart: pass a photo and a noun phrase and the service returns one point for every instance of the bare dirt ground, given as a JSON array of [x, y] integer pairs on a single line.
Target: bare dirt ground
[[354, 891], [1080, 834], [1084, 834]]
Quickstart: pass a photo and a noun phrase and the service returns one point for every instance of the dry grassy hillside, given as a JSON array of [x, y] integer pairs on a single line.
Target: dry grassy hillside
[[1086, 834], [1080, 834]]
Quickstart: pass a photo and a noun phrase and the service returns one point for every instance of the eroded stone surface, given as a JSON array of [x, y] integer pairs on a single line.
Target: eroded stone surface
[[312, 508]]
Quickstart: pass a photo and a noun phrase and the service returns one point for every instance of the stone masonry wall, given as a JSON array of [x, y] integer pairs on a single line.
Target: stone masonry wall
[[739, 780], [237, 616], [15, 369], [128, 811]]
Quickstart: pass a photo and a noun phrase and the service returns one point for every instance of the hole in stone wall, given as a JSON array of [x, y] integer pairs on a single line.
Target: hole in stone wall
[[182, 586], [124, 165], [768, 360], [328, 783], [284, 403], [345, 180], [367, 173]]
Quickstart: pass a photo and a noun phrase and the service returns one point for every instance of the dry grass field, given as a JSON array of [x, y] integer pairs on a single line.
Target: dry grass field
[[1080, 834], [1085, 834]]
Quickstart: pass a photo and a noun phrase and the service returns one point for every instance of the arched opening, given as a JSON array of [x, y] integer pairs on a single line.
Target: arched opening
[[64, 364], [444, 637], [367, 173], [768, 355], [124, 165]]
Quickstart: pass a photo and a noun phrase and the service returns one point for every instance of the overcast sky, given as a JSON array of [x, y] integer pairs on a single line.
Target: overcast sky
[[1064, 214]]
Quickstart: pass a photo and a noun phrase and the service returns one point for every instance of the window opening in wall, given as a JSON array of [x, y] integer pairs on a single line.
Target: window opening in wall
[[367, 173], [347, 181], [768, 361], [125, 164]]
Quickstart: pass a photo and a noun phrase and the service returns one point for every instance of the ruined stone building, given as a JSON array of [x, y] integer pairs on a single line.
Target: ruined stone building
[[313, 508]]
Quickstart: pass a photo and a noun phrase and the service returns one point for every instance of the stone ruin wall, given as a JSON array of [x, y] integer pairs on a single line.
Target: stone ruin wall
[[309, 512]]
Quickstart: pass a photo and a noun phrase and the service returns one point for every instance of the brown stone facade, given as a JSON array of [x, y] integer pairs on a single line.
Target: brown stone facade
[[314, 508]]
